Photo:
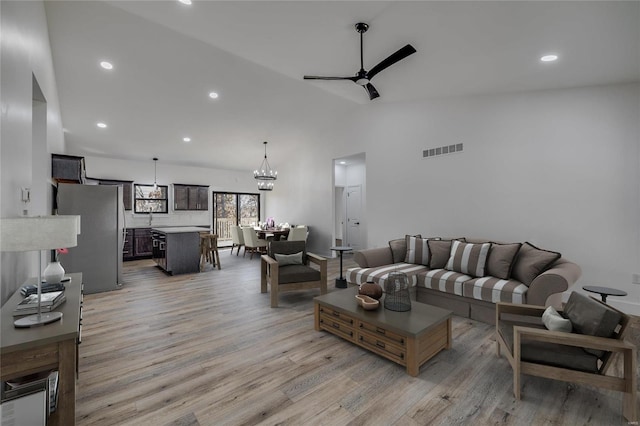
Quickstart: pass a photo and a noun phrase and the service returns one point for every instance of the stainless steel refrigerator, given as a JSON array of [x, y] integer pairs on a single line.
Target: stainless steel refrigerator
[[98, 254]]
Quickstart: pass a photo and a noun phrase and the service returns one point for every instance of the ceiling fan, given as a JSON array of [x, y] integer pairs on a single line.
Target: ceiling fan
[[363, 77]]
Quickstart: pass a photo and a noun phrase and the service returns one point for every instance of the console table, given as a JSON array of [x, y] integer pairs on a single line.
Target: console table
[[46, 348]]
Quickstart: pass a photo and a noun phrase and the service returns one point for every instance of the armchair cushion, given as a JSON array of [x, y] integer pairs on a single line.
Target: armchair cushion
[[289, 259], [297, 273], [555, 322], [288, 247], [564, 356], [588, 316]]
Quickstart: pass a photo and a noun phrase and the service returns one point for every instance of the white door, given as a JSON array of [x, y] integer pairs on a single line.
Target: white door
[[354, 196]]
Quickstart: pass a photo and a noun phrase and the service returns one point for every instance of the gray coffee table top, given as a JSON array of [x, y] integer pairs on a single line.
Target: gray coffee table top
[[418, 320]]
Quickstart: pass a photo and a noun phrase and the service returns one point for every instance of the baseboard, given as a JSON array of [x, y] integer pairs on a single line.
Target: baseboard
[[630, 308]]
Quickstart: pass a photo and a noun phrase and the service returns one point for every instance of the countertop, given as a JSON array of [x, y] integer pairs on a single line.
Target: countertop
[[180, 229]]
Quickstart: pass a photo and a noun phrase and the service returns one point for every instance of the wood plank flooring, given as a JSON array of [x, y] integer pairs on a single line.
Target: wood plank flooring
[[206, 349]]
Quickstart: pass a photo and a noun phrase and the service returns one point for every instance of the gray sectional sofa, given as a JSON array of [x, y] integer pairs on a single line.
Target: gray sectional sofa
[[468, 276]]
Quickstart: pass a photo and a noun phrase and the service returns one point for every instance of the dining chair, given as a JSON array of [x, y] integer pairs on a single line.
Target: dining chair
[[237, 238], [298, 233], [252, 242]]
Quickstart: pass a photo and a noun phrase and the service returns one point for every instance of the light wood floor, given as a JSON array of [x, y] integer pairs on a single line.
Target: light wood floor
[[206, 349]]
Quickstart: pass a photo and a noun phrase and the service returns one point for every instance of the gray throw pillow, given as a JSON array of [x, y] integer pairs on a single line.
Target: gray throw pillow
[[439, 251], [289, 259], [531, 262], [500, 261], [399, 248], [591, 317]]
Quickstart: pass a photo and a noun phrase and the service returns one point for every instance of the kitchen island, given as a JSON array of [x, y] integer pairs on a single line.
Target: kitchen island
[[177, 249]]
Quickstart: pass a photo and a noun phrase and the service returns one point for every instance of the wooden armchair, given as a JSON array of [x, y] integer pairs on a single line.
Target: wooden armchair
[[532, 349], [286, 267]]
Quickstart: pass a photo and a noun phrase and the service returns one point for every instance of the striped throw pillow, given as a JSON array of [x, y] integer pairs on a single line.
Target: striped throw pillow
[[417, 251], [468, 258]]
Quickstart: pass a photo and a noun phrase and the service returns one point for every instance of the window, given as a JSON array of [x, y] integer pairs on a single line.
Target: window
[[232, 208], [150, 200]]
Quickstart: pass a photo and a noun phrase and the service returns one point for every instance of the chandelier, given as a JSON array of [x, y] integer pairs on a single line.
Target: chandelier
[[265, 174]]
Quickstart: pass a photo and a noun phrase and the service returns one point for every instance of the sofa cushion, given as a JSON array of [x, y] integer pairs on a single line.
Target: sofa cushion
[[417, 250], [379, 274], [591, 317], [439, 251], [563, 356], [553, 321], [444, 280], [500, 260], [468, 258], [495, 290], [399, 248], [531, 262]]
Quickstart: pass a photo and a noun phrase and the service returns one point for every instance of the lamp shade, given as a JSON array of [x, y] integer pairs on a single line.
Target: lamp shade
[[39, 232]]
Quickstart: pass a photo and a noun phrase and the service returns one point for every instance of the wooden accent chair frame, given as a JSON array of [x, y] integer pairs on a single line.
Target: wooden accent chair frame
[[284, 276], [526, 331]]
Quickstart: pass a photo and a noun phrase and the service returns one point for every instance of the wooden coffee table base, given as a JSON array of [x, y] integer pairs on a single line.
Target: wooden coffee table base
[[364, 328]]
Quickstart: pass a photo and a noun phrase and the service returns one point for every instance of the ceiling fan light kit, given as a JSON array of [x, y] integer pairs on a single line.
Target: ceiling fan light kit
[[363, 77]]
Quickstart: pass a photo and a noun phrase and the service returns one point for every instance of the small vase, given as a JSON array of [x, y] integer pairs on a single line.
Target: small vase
[[53, 273], [371, 289]]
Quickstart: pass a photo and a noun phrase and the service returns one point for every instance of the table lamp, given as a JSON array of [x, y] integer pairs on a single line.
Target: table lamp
[[39, 233]]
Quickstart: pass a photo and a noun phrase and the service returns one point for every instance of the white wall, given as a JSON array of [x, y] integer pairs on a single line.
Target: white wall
[[25, 53], [557, 168], [167, 174]]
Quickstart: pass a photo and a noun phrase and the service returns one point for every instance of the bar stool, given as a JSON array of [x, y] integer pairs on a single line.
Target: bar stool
[[209, 250]]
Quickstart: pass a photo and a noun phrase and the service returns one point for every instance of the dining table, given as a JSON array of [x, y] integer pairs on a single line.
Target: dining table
[[275, 233]]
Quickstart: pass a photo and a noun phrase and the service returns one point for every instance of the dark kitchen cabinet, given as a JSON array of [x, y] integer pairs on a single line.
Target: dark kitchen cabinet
[[127, 250], [67, 168], [137, 244], [127, 190], [142, 242], [190, 197]]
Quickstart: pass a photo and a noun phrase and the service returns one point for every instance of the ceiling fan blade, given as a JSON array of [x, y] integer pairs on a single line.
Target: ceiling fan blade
[[317, 77], [392, 59], [373, 93]]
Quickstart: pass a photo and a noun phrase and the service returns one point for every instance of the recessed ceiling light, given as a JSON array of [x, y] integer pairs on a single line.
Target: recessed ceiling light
[[549, 58], [187, 2], [106, 65], [187, 139], [343, 162], [101, 125], [213, 95]]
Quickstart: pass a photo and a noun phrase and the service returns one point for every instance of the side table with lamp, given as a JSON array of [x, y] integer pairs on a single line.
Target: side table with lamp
[[41, 342]]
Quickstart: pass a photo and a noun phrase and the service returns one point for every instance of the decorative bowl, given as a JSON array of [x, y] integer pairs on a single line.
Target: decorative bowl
[[368, 303]]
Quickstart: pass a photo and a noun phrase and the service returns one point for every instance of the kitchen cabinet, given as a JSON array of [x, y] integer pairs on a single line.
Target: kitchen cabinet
[[142, 242], [190, 197], [127, 190], [67, 168], [127, 250], [137, 244], [177, 249]]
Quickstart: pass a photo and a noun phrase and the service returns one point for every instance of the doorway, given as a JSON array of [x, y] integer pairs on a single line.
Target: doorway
[[231, 209], [350, 201]]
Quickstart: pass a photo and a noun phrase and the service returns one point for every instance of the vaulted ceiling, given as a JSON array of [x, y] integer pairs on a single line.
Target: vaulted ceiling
[[167, 57]]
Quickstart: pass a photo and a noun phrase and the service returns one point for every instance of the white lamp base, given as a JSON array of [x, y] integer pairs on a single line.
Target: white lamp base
[[37, 320]]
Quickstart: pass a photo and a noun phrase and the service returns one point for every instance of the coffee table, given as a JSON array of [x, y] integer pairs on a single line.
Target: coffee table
[[408, 338]]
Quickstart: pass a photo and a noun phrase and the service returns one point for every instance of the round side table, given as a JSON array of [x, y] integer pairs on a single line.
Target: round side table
[[604, 291], [341, 282]]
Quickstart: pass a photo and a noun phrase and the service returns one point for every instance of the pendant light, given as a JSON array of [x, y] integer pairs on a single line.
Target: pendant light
[[155, 174], [265, 174]]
